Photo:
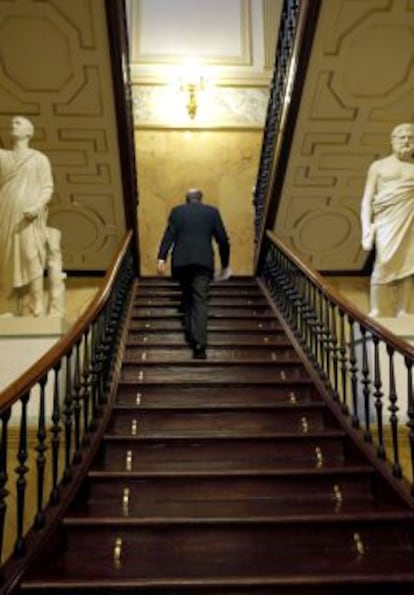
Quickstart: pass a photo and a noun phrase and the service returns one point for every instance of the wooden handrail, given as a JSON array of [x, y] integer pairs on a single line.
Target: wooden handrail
[[33, 374], [370, 323]]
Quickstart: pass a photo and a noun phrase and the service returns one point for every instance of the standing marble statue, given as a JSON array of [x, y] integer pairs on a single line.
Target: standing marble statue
[[387, 218], [27, 245]]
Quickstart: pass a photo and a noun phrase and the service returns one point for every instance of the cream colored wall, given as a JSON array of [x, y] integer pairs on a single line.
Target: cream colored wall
[[223, 163], [80, 292], [355, 289]]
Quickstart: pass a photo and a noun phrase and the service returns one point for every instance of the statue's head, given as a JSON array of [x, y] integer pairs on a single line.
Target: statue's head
[[21, 127], [402, 140]]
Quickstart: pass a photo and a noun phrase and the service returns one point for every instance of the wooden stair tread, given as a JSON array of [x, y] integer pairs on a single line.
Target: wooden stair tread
[[223, 339], [233, 436], [219, 406], [260, 510], [202, 569], [345, 468], [246, 395]]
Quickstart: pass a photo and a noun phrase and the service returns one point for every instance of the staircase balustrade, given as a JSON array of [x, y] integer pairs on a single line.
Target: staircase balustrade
[[366, 369], [296, 29], [51, 416]]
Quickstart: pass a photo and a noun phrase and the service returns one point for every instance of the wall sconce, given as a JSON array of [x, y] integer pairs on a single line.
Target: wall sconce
[[192, 82], [192, 89]]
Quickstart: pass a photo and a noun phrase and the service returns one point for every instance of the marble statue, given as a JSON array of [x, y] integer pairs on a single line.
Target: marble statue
[[27, 245], [387, 218]]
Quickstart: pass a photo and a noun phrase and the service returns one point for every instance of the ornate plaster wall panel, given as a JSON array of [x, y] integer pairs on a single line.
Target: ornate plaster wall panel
[[359, 85], [55, 69]]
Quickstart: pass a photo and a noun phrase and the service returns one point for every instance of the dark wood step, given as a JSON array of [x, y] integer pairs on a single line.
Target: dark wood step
[[335, 488], [206, 453], [215, 290], [160, 395], [179, 510], [223, 337], [350, 584], [203, 371], [263, 324], [173, 422], [173, 353], [168, 280], [231, 556], [226, 302], [229, 311]]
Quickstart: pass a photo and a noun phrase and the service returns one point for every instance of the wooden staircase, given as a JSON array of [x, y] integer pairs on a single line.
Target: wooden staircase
[[226, 476]]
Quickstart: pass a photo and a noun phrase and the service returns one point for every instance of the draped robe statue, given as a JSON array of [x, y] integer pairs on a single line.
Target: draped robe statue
[[387, 218], [26, 187]]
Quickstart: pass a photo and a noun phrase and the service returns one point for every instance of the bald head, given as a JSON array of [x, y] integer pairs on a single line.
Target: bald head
[[193, 195]]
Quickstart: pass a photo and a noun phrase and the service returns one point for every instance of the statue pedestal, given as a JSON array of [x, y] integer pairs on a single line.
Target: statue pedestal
[[24, 340]]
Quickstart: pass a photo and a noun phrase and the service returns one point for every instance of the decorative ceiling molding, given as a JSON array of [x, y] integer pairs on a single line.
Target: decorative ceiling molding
[[226, 37]]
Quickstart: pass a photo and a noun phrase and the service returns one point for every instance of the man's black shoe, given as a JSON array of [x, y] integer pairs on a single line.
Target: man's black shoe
[[199, 352]]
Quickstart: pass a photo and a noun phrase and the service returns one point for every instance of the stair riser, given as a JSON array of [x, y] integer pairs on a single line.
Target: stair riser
[[284, 420], [217, 396], [212, 455]]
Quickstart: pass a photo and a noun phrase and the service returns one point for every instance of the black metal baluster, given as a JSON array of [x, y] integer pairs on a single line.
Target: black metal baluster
[[67, 418], [366, 382], [353, 368], [86, 387], [55, 431], [21, 482], [378, 395], [327, 339], [410, 423], [344, 364], [4, 492], [94, 379], [100, 359], [307, 318], [41, 448], [335, 351], [77, 407], [393, 409]]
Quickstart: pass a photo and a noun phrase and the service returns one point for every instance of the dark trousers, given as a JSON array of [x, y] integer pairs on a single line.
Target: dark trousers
[[195, 286]]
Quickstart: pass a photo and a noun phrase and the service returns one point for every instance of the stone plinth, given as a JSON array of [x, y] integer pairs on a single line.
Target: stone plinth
[[23, 341]]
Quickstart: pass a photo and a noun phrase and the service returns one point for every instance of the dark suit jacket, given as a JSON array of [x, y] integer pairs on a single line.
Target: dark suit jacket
[[190, 230]]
